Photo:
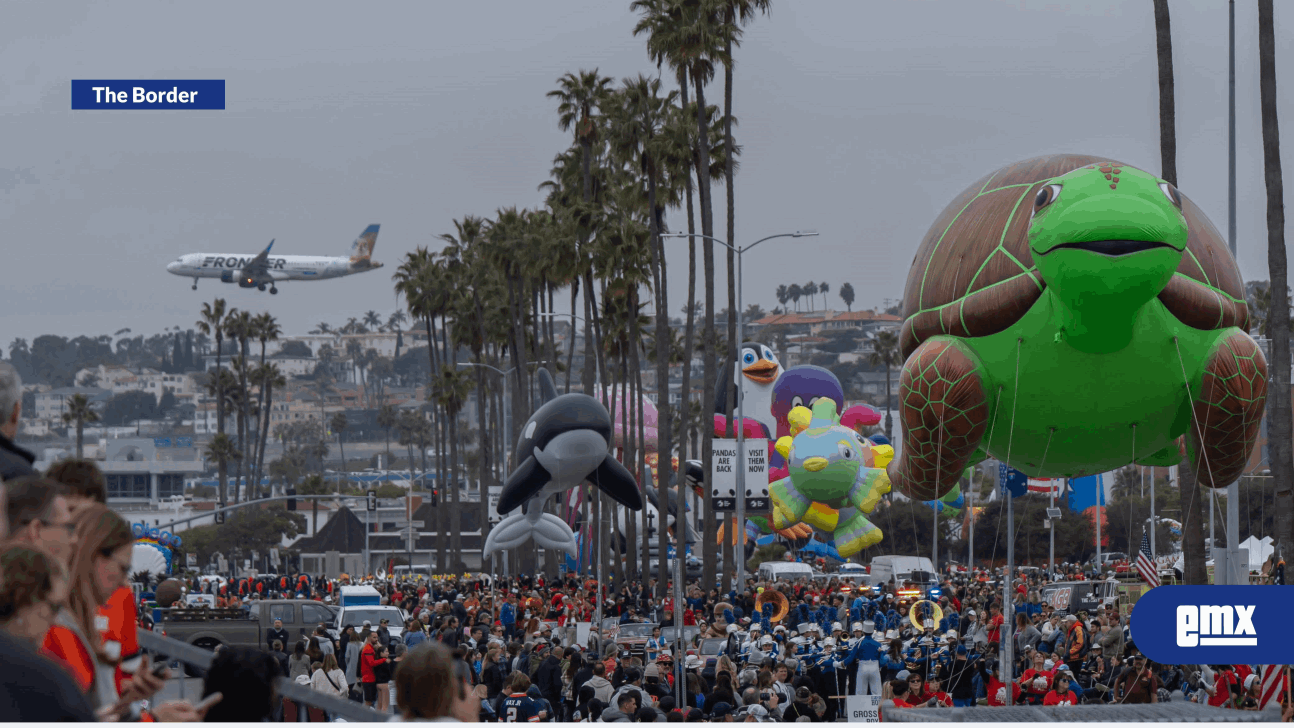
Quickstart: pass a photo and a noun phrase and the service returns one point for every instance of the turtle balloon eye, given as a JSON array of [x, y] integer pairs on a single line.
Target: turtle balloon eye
[[846, 451], [1046, 196], [1171, 193], [797, 401]]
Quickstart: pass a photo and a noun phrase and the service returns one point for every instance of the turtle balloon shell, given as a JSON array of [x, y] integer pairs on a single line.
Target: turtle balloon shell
[[974, 274]]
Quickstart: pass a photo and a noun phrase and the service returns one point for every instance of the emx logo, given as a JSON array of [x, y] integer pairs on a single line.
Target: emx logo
[[1219, 625], [1214, 624]]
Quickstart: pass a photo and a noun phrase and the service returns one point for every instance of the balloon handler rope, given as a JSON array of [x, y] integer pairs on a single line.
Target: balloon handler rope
[[1010, 437], [1199, 433]]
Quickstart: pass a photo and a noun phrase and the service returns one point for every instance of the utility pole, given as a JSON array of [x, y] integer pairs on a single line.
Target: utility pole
[[1008, 625]]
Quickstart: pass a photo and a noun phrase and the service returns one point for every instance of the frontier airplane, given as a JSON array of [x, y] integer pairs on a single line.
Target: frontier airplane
[[259, 271]]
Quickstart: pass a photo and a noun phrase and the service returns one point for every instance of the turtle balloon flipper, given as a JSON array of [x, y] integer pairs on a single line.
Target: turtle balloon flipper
[[944, 413], [1229, 409]]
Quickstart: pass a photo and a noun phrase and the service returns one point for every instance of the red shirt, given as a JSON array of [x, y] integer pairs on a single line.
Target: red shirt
[[901, 703], [994, 685], [995, 629], [1054, 698], [1028, 677]]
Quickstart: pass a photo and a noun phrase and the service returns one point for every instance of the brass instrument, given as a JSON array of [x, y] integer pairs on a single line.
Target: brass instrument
[[781, 605]]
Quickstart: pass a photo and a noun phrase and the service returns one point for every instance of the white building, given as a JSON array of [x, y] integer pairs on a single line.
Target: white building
[[51, 405]]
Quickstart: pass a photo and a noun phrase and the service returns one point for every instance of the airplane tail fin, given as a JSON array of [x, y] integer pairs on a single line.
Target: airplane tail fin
[[362, 249]]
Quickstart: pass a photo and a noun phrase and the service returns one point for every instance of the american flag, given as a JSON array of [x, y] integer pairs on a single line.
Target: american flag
[[1274, 683], [1146, 563]]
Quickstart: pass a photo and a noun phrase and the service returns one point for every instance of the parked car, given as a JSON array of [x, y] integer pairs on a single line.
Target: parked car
[[633, 636], [241, 627], [689, 632]]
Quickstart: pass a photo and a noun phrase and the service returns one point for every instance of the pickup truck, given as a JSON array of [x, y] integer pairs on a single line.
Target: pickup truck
[[239, 627]]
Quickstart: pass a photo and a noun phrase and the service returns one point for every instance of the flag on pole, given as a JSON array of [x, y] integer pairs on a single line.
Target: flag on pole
[[1046, 486], [1275, 680], [1146, 563]]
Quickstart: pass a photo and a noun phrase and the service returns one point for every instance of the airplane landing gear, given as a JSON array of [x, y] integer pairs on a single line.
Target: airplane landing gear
[[273, 290], [195, 284], [261, 287]]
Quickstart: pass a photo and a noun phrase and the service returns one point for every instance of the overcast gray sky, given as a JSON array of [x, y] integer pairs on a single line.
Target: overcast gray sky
[[860, 119]]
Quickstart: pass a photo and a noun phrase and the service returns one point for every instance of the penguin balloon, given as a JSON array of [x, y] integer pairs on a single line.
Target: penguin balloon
[[756, 371], [564, 443]]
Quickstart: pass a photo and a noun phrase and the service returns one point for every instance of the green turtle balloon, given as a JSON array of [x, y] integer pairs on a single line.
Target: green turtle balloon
[[1070, 315]]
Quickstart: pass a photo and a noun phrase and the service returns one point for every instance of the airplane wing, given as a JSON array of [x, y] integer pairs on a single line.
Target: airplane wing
[[258, 268]]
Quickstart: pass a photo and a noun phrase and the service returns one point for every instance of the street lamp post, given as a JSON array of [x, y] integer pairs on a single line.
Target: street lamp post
[[739, 536]]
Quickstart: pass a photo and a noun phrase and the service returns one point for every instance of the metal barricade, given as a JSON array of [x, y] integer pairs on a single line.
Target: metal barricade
[[172, 649]]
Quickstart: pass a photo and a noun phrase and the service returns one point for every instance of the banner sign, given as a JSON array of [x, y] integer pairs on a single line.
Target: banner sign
[[1214, 625], [147, 95]]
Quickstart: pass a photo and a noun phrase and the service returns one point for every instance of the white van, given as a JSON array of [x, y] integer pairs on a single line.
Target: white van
[[897, 568], [788, 570]]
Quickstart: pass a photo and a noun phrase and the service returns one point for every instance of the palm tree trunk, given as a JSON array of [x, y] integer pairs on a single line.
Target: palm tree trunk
[[455, 514], [1167, 112], [345, 474], [689, 342], [664, 413], [265, 427], [733, 313], [570, 357], [1278, 399], [712, 373], [80, 438], [590, 348], [1193, 496]]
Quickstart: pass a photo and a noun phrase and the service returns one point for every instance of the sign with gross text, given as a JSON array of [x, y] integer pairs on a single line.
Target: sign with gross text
[[863, 708], [723, 475]]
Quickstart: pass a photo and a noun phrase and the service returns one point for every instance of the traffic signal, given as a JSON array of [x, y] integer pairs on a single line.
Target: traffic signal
[[292, 502], [435, 497], [220, 518], [372, 500]]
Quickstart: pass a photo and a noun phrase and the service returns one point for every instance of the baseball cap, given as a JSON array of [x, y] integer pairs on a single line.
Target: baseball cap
[[721, 709], [368, 623]]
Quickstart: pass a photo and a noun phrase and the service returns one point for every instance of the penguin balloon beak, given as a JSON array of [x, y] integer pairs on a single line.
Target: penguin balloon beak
[[762, 371]]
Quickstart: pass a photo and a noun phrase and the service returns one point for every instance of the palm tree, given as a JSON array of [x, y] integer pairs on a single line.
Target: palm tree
[[394, 323], [265, 328], [387, 417], [338, 425], [846, 294], [809, 290], [222, 450], [373, 320], [578, 96], [79, 412], [794, 292], [1278, 400], [885, 353], [239, 325], [212, 324], [783, 296], [269, 377], [690, 36], [823, 288]]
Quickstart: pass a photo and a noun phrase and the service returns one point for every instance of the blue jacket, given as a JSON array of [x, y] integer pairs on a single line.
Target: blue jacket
[[508, 614], [866, 650]]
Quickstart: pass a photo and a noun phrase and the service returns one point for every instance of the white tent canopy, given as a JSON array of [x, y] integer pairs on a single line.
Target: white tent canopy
[[1259, 550]]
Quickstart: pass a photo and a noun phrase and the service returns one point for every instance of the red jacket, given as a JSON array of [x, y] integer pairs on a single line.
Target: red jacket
[[367, 661]]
